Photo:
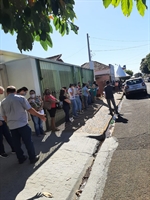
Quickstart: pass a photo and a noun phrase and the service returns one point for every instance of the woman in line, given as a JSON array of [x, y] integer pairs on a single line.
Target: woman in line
[[48, 97], [85, 93], [66, 103], [37, 103]]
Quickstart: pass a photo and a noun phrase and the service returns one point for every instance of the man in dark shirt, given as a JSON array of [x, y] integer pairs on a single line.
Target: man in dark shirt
[[110, 97]]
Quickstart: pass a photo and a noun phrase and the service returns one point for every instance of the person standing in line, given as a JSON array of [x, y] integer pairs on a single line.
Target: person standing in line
[[22, 91], [80, 91], [66, 104], [48, 97], [108, 90], [77, 98], [73, 101], [37, 103], [14, 109], [116, 86], [85, 93], [4, 131]]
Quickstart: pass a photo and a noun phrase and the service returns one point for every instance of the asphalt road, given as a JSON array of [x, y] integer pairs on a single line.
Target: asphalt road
[[129, 171]]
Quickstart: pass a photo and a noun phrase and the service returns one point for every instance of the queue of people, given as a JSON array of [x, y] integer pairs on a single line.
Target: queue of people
[[16, 111]]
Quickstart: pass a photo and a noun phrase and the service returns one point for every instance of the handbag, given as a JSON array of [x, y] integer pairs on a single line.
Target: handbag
[[59, 105], [47, 105]]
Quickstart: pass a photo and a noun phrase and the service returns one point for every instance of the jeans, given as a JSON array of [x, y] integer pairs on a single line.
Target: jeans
[[114, 104], [85, 98], [78, 102], [38, 125], [24, 133], [4, 131], [66, 109], [89, 100], [74, 107]]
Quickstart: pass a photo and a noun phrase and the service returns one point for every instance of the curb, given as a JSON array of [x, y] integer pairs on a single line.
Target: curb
[[89, 163], [105, 157]]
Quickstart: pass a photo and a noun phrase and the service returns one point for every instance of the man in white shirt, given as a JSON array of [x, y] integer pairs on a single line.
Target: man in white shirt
[[4, 131], [14, 109]]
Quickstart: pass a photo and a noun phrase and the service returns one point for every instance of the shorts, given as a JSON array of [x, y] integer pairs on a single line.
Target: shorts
[[52, 112]]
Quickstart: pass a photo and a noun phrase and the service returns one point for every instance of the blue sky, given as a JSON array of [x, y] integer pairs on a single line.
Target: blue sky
[[114, 38]]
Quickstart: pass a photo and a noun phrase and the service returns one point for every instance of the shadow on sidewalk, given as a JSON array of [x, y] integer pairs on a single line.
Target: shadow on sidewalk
[[121, 119], [14, 176], [99, 138]]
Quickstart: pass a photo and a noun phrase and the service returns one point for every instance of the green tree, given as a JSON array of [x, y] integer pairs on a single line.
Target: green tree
[[129, 72], [127, 5], [145, 65], [33, 20]]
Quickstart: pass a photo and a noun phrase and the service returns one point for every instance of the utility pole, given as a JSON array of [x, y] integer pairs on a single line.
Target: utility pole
[[89, 51]]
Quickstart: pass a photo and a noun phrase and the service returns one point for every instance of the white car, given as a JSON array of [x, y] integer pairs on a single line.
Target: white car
[[135, 85]]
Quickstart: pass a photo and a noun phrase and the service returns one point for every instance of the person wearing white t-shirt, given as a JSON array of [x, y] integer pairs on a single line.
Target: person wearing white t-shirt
[[72, 99]]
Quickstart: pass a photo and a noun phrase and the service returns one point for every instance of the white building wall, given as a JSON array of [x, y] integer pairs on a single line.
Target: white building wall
[[24, 73], [6, 56]]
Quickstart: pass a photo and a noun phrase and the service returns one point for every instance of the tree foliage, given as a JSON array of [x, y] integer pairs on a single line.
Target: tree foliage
[[145, 65], [34, 20], [127, 5], [129, 72]]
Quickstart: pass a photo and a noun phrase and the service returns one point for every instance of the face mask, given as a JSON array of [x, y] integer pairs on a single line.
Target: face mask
[[32, 95]]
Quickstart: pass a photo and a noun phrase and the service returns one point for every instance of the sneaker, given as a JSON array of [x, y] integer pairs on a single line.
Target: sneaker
[[71, 119], [23, 160], [13, 152], [35, 159], [4, 155]]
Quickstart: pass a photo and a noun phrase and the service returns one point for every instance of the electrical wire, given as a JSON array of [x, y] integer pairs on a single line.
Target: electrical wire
[[121, 48], [119, 40], [75, 52]]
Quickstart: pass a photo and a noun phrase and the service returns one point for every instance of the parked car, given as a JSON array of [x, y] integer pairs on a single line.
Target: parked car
[[148, 79], [135, 85]]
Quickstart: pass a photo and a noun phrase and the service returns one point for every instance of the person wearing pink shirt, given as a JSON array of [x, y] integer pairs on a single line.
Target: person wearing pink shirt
[[48, 97]]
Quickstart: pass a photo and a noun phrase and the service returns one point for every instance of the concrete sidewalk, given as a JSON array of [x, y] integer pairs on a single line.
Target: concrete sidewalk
[[65, 157]]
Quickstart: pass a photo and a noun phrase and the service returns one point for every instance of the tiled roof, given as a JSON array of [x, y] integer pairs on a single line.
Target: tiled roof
[[97, 66], [56, 58]]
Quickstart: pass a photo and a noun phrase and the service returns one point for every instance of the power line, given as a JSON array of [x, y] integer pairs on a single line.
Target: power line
[[119, 40], [75, 52], [121, 48]]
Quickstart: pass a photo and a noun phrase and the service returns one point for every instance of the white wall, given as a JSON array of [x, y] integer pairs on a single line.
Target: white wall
[[24, 73], [9, 56]]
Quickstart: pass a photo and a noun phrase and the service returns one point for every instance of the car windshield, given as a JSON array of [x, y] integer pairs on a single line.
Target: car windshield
[[134, 81]]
